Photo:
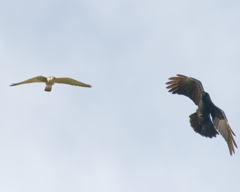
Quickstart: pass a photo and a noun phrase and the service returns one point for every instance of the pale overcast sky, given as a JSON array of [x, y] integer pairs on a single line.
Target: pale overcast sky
[[126, 133]]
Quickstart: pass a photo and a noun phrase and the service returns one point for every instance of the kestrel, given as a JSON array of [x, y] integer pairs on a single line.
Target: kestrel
[[51, 80], [200, 121]]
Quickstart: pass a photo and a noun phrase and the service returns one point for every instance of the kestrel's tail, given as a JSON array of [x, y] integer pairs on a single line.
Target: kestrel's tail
[[48, 88]]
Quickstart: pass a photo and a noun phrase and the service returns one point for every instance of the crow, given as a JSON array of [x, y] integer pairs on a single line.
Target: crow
[[200, 120]]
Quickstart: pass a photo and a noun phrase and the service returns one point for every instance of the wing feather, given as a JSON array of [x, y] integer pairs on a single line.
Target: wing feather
[[37, 79], [221, 123], [187, 86], [69, 81]]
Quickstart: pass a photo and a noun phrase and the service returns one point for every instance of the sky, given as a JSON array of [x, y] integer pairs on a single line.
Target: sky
[[126, 133]]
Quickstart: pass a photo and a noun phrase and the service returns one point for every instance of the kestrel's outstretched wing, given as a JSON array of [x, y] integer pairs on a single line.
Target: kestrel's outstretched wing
[[187, 86], [37, 79], [66, 80], [221, 124]]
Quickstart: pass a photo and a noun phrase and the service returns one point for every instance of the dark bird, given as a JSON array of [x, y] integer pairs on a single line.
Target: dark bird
[[200, 120], [49, 81]]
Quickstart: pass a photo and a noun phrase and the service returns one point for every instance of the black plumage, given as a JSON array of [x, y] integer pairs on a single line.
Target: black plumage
[[200, 120]]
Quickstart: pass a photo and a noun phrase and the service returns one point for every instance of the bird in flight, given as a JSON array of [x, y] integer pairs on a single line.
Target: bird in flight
[[200, 120], [51, 80]]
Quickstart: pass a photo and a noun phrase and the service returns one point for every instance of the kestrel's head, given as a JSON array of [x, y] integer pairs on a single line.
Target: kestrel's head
[[50, 79]]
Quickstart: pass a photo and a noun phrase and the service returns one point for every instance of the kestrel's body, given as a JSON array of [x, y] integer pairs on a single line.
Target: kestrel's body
[[51, 80], [49, 83]]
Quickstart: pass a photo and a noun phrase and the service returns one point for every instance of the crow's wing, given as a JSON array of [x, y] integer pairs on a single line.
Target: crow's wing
[[37, 79], [221, 123], [187, 86]]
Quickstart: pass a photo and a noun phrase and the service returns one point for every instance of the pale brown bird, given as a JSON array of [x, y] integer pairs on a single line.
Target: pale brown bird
[[200, 121], [51, 80]]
